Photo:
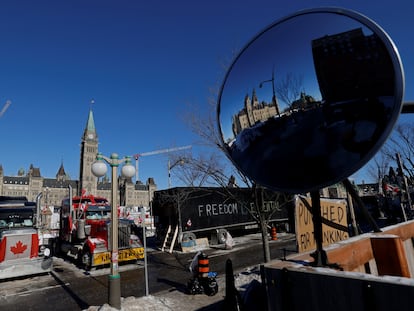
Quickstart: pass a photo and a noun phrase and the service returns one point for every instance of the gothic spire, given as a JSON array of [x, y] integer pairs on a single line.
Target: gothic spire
[[90, 131], [61, 174], [90, 126]]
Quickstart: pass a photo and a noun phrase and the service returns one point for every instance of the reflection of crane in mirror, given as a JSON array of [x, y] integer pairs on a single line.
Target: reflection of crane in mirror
[[5, 107], [138, 155]]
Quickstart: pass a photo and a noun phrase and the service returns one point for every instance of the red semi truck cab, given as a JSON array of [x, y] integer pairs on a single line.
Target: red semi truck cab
[[85, 232]]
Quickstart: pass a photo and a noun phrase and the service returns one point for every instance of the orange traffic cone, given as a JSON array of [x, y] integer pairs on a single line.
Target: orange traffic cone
[[274, 233]]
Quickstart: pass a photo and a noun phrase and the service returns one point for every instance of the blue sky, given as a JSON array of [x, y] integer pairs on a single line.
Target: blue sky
[[142, 62]]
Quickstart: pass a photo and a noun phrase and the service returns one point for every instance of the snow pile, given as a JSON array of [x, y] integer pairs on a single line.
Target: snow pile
[[146, 303], [177, 301], [244, 279]]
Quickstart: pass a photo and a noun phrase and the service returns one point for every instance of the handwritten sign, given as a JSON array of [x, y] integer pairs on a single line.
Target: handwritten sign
[[334, 222]]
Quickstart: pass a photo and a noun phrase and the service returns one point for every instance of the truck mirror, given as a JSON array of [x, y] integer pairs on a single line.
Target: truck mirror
[[310, 99]]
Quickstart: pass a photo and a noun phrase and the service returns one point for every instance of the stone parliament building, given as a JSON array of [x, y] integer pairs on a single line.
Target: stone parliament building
[[53, 190]]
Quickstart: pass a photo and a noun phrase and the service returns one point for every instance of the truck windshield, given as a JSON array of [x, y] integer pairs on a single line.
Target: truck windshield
[[15, 218], [98, 213]]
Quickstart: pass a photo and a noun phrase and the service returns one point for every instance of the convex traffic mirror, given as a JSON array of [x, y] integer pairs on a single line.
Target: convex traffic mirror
[[310, 99]]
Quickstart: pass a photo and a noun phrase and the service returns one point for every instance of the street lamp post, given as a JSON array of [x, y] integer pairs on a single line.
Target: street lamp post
[[273, 89], [99, 169]]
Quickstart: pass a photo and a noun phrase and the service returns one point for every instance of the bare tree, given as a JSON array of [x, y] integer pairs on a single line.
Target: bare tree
[[378, 166], [400, 142], [289, 88], [214, 168]]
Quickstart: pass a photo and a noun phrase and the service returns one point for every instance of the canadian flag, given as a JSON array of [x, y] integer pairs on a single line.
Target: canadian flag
[[391, 188], [19, 246], [189, 224]]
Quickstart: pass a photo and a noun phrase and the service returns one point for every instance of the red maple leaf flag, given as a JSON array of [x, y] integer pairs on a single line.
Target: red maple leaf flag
[[19, 248]]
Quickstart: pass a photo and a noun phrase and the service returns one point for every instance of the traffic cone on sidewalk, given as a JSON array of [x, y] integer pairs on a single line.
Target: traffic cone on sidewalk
[[274, 233]]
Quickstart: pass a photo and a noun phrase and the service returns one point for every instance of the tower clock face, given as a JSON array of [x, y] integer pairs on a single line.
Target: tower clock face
[[90, 136]]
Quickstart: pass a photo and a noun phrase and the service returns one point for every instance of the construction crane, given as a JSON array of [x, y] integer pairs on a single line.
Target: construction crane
[[6, 105], [138, 155]]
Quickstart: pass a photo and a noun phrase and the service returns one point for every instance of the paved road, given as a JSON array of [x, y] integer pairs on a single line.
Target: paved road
[[68, 288]]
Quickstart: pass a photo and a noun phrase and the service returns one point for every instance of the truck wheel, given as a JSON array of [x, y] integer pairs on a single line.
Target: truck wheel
[[221, 236], [56, 250], [188, 236], [86, 259]]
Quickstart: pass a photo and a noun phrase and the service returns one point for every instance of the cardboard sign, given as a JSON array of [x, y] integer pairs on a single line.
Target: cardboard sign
[[334, 222]]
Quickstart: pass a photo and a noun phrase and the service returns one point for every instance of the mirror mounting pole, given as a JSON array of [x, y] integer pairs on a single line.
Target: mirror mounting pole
[[320, 258], [319, 255], [408, 107]]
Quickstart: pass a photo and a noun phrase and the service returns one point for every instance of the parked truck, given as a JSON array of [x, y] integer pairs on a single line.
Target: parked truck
[[85, 227], [184, 214], [24, 247]]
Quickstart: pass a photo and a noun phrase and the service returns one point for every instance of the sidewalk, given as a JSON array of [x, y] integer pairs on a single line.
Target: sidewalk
[[173, 300], [170, 300]]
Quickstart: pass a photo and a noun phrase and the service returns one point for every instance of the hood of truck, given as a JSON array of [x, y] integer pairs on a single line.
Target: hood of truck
[[99, 244]]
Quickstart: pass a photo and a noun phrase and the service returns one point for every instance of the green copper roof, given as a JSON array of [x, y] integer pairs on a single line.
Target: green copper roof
[[90, 126]]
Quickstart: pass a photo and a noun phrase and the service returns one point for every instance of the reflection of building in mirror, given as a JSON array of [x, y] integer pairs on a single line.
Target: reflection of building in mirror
[[253, 112], [305, 102], [350, 65]]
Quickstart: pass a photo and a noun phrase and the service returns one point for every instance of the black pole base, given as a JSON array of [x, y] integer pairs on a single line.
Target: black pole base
[[321, 260]]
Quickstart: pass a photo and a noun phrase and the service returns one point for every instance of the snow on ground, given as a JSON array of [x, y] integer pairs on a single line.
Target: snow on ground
[[146, 303], [175, 300], [243, 279], [169, 301]]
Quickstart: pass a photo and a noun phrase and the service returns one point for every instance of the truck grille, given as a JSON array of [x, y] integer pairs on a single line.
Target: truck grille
[[124, 233]]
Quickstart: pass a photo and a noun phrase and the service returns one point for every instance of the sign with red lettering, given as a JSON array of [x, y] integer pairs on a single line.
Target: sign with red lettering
[[334, 222]]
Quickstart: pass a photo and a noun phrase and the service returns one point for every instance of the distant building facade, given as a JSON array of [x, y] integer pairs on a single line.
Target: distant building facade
[[341, 76], [253, 112], [30, 184]]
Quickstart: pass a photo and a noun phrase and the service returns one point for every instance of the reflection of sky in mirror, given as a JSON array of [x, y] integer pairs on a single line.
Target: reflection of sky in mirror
[[287, 48]]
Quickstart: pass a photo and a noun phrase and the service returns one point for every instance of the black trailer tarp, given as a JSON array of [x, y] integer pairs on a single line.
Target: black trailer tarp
[[197, 209]]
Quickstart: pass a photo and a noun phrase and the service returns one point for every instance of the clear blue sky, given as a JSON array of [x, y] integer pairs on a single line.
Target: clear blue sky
[[141, 61]]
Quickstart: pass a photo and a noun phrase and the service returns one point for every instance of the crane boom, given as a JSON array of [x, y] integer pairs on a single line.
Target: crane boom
[[161, 151], [167, 150], [3, 110]]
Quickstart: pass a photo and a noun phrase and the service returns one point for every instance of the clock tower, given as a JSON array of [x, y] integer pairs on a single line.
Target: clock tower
[[89, 149]]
